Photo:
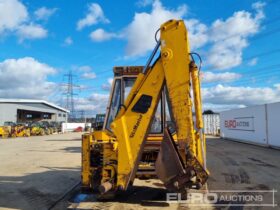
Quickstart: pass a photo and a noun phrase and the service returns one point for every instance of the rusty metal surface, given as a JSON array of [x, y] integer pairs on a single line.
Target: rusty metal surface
[[171, 171], [169, 167]]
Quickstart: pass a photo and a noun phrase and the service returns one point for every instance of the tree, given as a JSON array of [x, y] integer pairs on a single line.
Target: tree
[[208, 111]]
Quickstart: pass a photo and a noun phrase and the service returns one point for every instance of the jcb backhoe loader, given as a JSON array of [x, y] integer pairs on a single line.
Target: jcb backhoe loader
[[138, 137]]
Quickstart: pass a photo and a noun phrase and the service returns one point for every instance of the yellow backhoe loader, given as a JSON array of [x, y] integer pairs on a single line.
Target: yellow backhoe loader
[[4, 132], [20, 130], [149, 130]]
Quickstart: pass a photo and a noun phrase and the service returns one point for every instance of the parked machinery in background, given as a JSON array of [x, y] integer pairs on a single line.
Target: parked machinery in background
[[8, 127], [9, 123], [4, 132], [36, 129], [20, 130], [54, 126], [57, 126], [44, 125], [47, 127], [12, 129], [25, 129]]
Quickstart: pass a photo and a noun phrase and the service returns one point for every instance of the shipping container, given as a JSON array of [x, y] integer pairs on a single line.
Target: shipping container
[[211, 124], [256, 124], [273, 126]]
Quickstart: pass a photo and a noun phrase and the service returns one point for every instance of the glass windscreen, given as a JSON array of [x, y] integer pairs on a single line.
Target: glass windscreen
[[157, 121], [157, 125], [170, 124], [128, 83], [115, 103]]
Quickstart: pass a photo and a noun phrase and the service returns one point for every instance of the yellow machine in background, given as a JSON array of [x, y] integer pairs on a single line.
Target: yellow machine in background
[[20, 131], [37, 131], [14, 131], [149, 129], [4, 132]]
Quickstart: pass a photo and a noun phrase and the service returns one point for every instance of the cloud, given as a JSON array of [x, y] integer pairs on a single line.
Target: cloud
[[107, 86], [140, 32], [94, 104], [226, 38], [144, 3], [89, 75], [100, 35], [258, 6], [221, 107], [85, 71], [12, 14], [44, 13], [31, 31], [25, 78], [84, 68], [208, 77], [253, 62], [230, 37], [247, 96], [14, 18], [68, 41], [197, 32], [95, 15]]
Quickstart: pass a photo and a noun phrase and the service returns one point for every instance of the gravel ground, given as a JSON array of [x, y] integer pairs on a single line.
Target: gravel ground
[[37, 171]]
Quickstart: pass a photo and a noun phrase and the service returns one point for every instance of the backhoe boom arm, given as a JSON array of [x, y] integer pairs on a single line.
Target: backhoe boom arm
[[132, 124]]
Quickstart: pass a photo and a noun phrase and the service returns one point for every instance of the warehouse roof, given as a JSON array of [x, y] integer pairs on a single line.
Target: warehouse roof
[[5, 100]]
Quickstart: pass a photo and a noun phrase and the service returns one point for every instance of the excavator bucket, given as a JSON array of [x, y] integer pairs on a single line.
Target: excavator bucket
[[171, 171], [169, 166]]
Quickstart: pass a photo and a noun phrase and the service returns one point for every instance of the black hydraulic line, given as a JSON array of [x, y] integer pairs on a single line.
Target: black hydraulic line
[[200, 60], [156, 35], [151, 57]]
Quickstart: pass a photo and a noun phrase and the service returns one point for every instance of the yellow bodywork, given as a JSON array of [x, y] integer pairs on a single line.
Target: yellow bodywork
[[37, 131], [122, 149], [4, 132], [20, 131]]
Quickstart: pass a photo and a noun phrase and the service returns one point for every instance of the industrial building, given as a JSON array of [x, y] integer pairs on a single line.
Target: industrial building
[[26, 110]]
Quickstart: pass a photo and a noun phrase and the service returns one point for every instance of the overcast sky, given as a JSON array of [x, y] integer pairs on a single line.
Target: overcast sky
[[40, 41]]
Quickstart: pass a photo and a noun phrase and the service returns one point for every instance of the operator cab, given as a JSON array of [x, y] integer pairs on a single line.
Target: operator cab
[[124, 78]]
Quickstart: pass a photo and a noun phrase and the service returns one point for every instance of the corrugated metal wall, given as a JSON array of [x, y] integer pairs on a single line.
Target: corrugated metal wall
[[257, 124], [211, 124], [8, 111]]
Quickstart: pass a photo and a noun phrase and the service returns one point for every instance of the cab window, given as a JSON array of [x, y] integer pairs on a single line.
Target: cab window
[[115, 103]]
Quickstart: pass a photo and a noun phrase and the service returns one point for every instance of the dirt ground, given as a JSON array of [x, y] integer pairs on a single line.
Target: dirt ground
[[36, 172]]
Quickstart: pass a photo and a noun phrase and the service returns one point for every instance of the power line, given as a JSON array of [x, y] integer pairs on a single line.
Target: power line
[[245, 81], [249, 57], [270, 52]]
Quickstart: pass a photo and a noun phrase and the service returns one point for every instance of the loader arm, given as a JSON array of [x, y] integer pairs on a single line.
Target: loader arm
[[173, 70]]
